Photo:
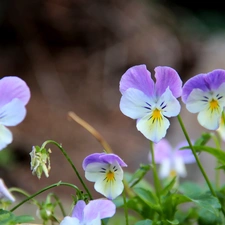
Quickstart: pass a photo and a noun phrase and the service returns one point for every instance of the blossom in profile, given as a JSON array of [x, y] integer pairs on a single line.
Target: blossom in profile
[[149, 102], [105, 170], [90, 214], [15, 94], [172, 161], [221, 129], [5, 193], [205, 94]]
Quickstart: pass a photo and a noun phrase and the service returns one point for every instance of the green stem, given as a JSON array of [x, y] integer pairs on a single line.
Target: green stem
[[125, 208], [198, 161], [71, 163], [43, 190], [59, 204], [155, 174]]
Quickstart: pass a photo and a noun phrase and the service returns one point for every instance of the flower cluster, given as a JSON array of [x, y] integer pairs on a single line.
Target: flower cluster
[[151, 102]]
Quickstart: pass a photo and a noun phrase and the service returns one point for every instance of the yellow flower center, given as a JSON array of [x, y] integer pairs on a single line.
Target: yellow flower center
[[214, 104], [110, 176], [156, 115], [173, 173]]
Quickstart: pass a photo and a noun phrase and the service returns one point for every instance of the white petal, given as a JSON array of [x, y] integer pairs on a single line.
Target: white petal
[[197, 101], [153, 130], [5, 137], [171, 106], [110, 190], [70, 221], [12, 113], [95, 171], [4, 192], [210, 119], [165, 167], [180, 167], [133, 103]]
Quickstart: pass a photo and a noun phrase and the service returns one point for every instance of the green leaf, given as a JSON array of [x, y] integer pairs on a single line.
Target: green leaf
[[205, 137], [24, 219], [208, 218], [168, 187], [139, 174], [173, 222], [190, 188], [149, 198], [144, 222], [218, 153]]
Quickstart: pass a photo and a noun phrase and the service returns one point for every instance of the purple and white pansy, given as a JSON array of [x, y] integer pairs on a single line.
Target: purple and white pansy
[[172, 161], [148, 102], [105, 170], [90, 214], [15, 94], [205, 94]]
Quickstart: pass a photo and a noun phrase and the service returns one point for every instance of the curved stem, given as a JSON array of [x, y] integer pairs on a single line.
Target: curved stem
[[155, 174], [198, 161], [71, 163], [59, 204], [43, 190]]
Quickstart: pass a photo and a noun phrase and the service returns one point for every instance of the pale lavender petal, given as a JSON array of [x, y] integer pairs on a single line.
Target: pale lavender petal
[[6, 137], [215, 78], [70, 221], [4, 192], [169, 105], [78, 210], [93, 171], [180, 167], [137, 77], [197, 81], [102, 207], [135, 104], [167, 77], [162, 151], [165, 168], [13, 87], [12, 113]]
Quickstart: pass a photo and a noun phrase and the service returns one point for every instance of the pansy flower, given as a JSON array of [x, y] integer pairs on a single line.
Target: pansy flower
[[205, 94], [5, 193], [15, 94], [172, 161], [105, 170], [148, 102], [90, 214]]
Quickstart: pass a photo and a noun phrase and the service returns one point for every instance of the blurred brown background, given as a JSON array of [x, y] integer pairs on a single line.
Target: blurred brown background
[[72, 54]]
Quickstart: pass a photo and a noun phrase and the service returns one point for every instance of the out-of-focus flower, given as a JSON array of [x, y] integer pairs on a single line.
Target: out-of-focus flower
[[15, 94], [5, 193], [40, 161], [221, 129], [90, 214], [148, 102], [205, 94], [105, 170], [172, 161]]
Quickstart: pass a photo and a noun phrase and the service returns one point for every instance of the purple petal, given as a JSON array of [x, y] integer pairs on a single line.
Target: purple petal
[[162, 151], [102, 158], [78, 210], [205, 82], [186, 155], [102, 207], [111, 158], [137, 77], [13, 87], [91, 159], [167, 77]]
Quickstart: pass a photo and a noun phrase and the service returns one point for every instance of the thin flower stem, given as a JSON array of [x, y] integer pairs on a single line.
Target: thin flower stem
[[43, 190], [125, 208], [155, 174], [59, 204], [92, 130], [71, 163], [198, 161]]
